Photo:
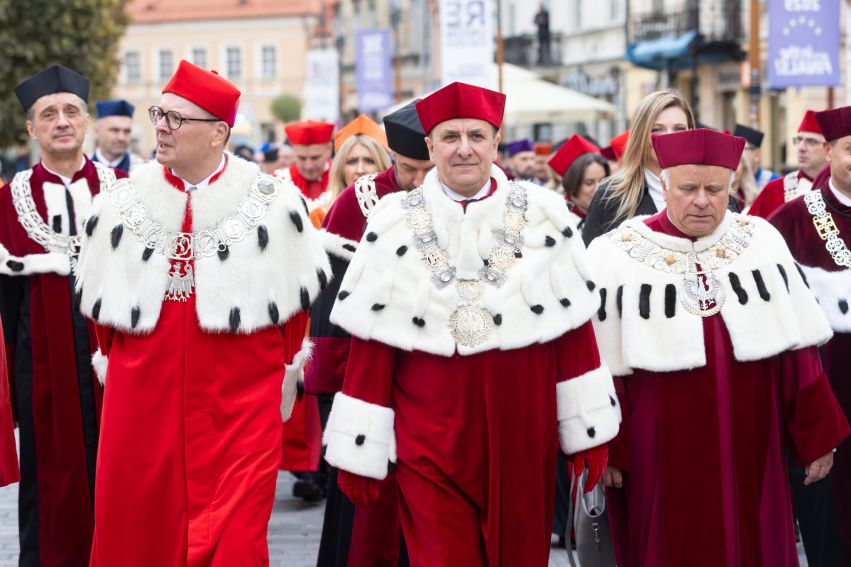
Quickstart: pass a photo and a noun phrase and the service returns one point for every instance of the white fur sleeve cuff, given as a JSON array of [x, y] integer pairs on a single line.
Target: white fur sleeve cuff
[[360, 437], [99, 363], [588, 411], [293, 376]]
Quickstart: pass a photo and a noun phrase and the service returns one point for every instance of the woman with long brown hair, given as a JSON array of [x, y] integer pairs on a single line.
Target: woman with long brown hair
[[636, 189]]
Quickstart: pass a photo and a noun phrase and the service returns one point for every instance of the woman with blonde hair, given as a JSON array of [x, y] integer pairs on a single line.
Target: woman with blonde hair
[[744, 188], [636, 189]]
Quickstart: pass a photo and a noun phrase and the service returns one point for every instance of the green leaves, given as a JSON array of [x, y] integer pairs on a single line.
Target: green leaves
[[80, 34]]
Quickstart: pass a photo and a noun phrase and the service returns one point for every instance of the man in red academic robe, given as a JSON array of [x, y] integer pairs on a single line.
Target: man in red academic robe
[[196, 270], [811, 159], [817, 229], [712, 335], [472, 357], [311, 143], [56, 397], [365, 536]]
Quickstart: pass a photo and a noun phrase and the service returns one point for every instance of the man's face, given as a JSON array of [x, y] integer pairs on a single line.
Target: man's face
[[189, 144], [697, 197], [839, 158], [541, 171], [310, 160], [463, 150], [410, 173], [286, 156], [59, 123], [754, 156], [523, 165], [113, 135], [811, 152]]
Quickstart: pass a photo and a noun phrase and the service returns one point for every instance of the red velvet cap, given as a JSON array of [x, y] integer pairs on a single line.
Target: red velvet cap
[[569, 152], [460, 100], [543, 149], [835, 123], [206, 89], [698, 147], [809, 123], [609, 153], [309, 132], [619, 142]]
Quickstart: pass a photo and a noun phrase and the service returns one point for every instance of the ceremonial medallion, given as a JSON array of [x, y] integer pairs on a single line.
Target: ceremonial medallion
[[702, 296], [470, 325], [181, 282]]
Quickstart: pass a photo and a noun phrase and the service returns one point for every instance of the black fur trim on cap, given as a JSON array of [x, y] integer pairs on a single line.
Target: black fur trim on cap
[[644, 301], [738, 289]]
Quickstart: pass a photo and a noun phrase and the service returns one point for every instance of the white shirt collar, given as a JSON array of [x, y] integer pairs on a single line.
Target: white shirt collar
[[102, 158], [654, 185], [65, 180], [202, 184], [842, 197], [483, 192]]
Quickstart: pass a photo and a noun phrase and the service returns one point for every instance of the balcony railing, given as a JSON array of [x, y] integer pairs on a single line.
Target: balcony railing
[[526, 51], [714, 20]]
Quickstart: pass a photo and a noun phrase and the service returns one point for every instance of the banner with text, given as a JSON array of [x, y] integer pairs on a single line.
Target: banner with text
[[803, 43], [321, 85], [466, 42], [373, 76]]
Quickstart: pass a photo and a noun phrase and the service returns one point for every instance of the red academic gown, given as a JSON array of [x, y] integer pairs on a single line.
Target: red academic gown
[[302, 433], [773, 196], [795, 223], [9, 472], [199, 480], [56, 396], [357, 536], [476, 443], [706, 454]]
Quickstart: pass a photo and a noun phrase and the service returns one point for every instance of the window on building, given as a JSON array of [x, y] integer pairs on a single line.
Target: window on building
[[268, 61], [615, 7], [577, 14], [166, 64], [233, 57], [199, 57], [132, 67]]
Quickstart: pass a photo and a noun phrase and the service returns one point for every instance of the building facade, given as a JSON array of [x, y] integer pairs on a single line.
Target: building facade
[[258, 45]]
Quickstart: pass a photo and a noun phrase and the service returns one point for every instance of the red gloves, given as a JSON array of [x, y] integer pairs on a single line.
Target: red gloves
[[594, 460], [360, 489]]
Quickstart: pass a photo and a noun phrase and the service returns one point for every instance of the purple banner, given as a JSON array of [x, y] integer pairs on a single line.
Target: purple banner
[[803, 43], [373, 77]]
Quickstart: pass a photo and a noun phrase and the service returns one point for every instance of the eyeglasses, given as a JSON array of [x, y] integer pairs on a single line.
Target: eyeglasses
[[173, 118], [809, 142]]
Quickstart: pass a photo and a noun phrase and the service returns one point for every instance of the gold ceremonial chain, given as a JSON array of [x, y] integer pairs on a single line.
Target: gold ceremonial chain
[[827, 229], [701, 292], [470, 324]]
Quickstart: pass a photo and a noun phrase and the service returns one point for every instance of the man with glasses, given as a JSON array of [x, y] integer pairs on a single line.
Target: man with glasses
[[197, 271], [55, 395], [753, 153], [809, 143]]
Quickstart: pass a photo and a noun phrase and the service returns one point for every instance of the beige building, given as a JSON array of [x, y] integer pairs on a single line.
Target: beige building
[[259, 45]]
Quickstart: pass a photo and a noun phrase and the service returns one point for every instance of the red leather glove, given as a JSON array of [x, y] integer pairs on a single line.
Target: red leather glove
[[360, 490], [593, 459]]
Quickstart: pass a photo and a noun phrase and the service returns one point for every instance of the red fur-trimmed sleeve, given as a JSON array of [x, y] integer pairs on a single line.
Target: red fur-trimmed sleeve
[[815, 422]]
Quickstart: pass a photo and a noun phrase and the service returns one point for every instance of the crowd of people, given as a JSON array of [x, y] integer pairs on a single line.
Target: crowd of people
[[437, 332]]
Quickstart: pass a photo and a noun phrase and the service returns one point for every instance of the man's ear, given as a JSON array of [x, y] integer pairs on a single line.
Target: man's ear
[[430, 146]]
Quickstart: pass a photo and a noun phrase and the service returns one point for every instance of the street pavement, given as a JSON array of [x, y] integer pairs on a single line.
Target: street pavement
[[293, 531]]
